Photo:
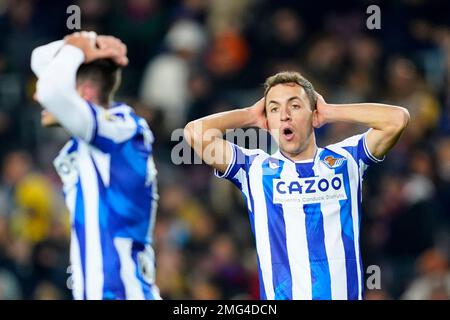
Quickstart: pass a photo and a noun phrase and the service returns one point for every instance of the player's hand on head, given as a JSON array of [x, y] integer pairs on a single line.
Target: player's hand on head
[[258, 114], [319, 117], [120, 49], [86, 41]]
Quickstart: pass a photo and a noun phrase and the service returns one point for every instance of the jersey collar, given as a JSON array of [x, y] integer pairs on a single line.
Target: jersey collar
[[279, 155]]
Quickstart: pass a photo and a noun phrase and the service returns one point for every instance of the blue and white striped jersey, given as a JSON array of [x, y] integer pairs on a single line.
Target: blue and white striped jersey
[[305, 217], [110, 189]]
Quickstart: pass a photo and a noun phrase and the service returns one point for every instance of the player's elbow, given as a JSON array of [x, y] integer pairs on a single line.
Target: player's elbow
[[34, 63], [189, 133], [50, 88], [400, 119], [396, 121], [45, 92]]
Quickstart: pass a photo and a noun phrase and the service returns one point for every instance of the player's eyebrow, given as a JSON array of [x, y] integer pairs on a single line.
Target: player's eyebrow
[[288, 100], [294, 98]]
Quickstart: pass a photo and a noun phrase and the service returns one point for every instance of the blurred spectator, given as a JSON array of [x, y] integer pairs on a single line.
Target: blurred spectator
[[31, 195], [406, 88], [165, 81], [96, 14], [433, 281], [141, 24], [9, 287]]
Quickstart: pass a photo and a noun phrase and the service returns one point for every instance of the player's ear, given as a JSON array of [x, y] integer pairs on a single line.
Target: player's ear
[[315, 119]]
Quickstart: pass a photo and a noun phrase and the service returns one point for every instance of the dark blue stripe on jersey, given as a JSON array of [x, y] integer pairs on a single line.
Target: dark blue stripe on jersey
[[347, 233], [358, 152], [240, 161], [139, 128], [315, 235], [135, 158], [145, 286], [127, 195], [80, 232], [113, 287], [281, 271], [73, 146]]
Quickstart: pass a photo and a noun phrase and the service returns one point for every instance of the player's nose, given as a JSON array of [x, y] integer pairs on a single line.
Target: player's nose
[[285, 113]]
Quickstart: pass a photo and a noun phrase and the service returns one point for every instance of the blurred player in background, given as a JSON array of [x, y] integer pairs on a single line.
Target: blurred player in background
[[107, 167], [304, 201]]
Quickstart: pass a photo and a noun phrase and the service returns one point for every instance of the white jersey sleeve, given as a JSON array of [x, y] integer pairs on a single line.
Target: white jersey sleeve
[[105, 129], [56, 91], [43, 55]]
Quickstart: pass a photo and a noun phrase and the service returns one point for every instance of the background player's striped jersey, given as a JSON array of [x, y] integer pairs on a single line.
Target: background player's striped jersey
[[306, 218], [110, 189]]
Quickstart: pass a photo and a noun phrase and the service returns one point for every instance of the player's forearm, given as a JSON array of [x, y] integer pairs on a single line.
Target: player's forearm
[[43, 55], [204, 129], [56, 91], [374, 115]]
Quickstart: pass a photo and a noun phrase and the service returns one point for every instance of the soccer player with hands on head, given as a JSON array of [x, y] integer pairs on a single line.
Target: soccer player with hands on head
[[107, 168], [304, 201]]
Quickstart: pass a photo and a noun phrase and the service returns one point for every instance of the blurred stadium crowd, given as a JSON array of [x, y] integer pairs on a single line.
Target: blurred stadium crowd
[[190, 58]]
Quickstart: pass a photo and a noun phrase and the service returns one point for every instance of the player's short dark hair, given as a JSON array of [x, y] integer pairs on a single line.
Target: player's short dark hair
[[292, 77], [103, 72]]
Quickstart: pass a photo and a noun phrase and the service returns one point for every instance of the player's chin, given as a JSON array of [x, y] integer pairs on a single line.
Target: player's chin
[[290, 147]]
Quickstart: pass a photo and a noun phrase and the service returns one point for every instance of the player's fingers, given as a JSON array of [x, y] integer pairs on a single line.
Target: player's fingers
[[113, 54], [91, 35], [122, 61], [120, 51], [123, 48], [109, 41], [72, 35], [103, 41]]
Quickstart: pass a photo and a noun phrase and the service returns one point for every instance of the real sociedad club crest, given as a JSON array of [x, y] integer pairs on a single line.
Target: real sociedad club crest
[[332, 162]]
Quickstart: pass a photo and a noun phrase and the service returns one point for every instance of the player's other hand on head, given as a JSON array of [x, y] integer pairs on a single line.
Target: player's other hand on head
[[258, 112], [105, 42], [320, 113], [87, 41]]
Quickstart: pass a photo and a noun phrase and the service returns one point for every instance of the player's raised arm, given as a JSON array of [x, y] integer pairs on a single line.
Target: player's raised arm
[[205, 135], [387, 121], [43, 55], [56, 88]]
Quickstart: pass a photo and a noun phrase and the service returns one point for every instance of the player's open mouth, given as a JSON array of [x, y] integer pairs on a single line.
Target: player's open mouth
[[288, 134]]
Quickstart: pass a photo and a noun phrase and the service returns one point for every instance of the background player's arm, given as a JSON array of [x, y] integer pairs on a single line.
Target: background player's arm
[[56, 88], [205, 135], [43, 55], [387, 121], [56, 92]]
